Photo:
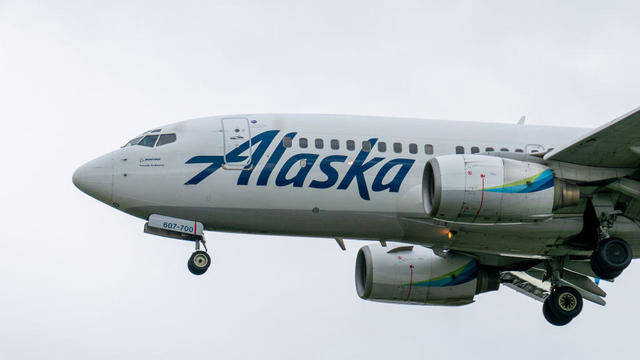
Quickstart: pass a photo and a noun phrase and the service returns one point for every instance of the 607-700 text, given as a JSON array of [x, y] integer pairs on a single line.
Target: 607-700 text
[[177, 227]]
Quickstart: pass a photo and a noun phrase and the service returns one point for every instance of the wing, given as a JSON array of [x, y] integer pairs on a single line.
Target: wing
[[613, 145]]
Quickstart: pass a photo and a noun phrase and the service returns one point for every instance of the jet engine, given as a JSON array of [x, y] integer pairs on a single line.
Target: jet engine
[[489, 189], [416, 275]]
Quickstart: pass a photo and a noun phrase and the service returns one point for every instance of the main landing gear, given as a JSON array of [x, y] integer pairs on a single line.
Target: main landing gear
[[200, 260], [611, 254], [611, 257], [563, 304]]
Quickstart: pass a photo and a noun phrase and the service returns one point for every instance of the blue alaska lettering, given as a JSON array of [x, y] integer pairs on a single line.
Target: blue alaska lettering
[[357, 169], [296, 168], [298, 179], [329, 171], [394, 184], [263, 140], [273, 160]]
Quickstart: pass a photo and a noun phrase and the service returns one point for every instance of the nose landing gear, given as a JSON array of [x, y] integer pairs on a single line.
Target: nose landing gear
[[182, 229], [200, 260]]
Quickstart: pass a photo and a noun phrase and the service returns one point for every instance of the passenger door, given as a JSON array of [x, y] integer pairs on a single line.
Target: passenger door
[[236, 132]]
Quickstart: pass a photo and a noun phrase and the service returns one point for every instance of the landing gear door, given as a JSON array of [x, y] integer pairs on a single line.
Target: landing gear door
[[235, 132]]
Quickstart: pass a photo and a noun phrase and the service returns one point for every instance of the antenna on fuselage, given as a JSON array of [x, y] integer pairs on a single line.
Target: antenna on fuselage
[[522, 119]]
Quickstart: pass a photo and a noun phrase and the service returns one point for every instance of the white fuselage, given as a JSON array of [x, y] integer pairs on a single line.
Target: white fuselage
[[279, 186]]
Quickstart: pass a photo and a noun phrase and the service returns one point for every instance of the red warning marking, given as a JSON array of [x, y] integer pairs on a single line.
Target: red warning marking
[[469, 172], [195, 228], [410, 281], [481, 200]]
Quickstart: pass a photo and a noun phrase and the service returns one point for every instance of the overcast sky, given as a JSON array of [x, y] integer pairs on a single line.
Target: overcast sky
[[78, 79]]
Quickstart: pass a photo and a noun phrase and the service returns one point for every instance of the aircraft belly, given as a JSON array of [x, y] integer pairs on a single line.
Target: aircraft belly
[[523, 239], [360, 225]]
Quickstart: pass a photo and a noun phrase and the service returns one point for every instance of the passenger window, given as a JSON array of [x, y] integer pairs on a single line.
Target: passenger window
[[366, 146], [351, 145], [504, 149], [303, 142], [319, 143], [489, 148], [475, 149], [166, 139], [519, 150], [382, 146], [133, 142], [148, 140], [413, 148], [397, 147], [428, 149], [287, 141], [335, 144], [459, 149]]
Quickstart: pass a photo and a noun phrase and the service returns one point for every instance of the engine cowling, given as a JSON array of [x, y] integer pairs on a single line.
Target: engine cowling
[[488, 189], [415, 275]]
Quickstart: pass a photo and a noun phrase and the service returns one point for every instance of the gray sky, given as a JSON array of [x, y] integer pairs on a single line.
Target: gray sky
[[78, 79]]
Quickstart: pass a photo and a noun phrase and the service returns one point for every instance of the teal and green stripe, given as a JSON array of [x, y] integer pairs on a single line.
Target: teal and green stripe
[[458, 276], [539, 182]]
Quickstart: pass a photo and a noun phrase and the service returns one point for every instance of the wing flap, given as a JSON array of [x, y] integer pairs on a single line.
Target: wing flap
[[525, 284]]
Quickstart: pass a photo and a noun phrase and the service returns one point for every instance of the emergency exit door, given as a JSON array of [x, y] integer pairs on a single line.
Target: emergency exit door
[[534, 148], [236, 133]]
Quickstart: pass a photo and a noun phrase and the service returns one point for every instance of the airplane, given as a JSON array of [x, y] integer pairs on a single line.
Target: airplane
[[466, 206]]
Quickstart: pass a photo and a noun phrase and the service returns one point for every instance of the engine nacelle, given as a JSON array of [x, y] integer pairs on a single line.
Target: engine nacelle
[[489, 189], [415, 275]]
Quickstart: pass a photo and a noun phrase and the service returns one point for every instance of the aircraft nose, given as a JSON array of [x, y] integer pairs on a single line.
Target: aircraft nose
[[95, 178]]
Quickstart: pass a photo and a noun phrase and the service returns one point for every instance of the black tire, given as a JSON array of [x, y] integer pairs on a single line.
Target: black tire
[[199, 262], [613, 255], [565, 302], [552, 318], [193, 270], [595, 266], [602, 273]]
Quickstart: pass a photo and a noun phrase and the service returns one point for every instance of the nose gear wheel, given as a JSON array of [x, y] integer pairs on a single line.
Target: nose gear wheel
[[200, 260]]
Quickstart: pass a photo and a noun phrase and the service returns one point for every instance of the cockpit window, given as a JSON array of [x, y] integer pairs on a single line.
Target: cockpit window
[[133, 142], [166, 139], [148, 140]]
